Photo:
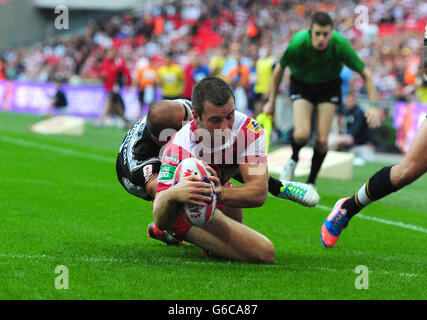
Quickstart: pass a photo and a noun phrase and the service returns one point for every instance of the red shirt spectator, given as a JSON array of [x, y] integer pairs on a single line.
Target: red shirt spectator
[[109, 71]]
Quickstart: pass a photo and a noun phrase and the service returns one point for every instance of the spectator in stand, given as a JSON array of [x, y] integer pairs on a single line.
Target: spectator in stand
[[146, 77], [3, 69], [189, 81], [200, 70], [217, 61], [171, 78], [116, 75], [264, 71], [357, 134], [238, 77], [59, 101]]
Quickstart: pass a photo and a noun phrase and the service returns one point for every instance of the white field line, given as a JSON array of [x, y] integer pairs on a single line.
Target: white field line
[[51, 148], [51, 182], [166, 259]]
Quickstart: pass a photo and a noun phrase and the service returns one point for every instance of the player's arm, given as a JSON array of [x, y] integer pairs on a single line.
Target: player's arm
[[151, 187], [373, 113], [274, 88], [253, 191], [189, 190], [370, 85]]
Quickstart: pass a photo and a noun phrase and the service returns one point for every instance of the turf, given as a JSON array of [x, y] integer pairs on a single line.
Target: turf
[[61, 204]]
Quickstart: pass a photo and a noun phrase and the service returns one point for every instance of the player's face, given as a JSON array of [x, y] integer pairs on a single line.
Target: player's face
[[218, 121], [320, 36]]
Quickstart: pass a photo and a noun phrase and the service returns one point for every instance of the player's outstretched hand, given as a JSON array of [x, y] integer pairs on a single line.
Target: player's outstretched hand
[[192, 191], [373, 117]]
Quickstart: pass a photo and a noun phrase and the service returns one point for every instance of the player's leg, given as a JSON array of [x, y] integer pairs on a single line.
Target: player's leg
[[302, 110], [233, 213], [414, 165], [325, 116], [107, 109], [232, 240], [381, 184]]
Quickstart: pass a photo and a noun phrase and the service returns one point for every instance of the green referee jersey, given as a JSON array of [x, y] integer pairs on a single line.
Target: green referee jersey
[[313, 66]]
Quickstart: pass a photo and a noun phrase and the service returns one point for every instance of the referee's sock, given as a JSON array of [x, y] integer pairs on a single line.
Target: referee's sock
[[316, 163], [377, 187], [295, 148]]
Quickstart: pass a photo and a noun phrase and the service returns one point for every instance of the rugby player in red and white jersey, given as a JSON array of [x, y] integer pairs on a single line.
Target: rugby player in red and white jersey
[[229, 142], [139, 159]]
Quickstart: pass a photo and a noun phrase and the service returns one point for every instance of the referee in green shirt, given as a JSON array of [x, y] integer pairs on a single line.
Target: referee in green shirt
[[315, 58]]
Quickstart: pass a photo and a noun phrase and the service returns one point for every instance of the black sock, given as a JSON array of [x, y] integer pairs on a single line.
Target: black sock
[[316, 163], [274, 186], [295, 148], [377, 187]]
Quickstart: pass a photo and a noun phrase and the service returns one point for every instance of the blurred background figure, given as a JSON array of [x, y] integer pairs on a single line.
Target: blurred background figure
[[356, 136], [217, 60], [59, 101], [171, 78], [146, 79], [116, 75], [264, 71], [238, 77]]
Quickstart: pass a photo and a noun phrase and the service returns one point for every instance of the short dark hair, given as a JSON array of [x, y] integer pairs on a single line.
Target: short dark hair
[[322, 19], [212, 89]]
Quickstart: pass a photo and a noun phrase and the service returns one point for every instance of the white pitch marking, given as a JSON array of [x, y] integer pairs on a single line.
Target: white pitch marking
[[47, 147], [389, 222]]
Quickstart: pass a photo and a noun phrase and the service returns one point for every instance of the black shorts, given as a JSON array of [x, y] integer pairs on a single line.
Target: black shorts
[[117, 100], [141, 94], [135, 182], [316, 93]]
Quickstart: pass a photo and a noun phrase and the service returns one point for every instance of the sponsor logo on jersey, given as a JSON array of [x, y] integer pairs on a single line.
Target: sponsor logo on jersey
[[254, 126], [148, 171], [334, 99], [172, 157], [166, 172]]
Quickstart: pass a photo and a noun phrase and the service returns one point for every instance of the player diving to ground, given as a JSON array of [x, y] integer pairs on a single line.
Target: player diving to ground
[[139, 159], [229, 143]]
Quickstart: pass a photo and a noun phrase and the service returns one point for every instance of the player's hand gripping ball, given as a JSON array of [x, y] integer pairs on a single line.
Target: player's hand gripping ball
[[194, 214]]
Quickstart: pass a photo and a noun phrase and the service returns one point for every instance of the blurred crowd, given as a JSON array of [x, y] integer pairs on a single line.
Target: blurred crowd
[[175, 45]]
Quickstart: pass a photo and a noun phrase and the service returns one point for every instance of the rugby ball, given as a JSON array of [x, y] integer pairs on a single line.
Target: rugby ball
[[194, 214]]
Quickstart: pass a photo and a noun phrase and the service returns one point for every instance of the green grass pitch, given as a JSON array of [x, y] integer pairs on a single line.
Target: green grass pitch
[[61, 204]]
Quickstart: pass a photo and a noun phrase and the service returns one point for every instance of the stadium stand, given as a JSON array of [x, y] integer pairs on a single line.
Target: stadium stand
[[389, 43]]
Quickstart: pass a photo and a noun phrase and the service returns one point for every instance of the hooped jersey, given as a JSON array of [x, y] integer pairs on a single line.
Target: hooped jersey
[[244, 144]]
